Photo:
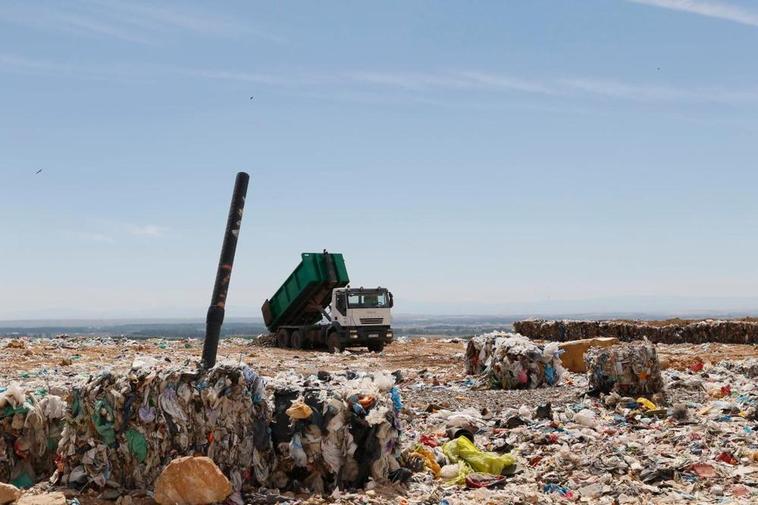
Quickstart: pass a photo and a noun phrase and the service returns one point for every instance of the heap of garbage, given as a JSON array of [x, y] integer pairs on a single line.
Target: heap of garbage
[[628, 369], [335, 431], [461, 443], [123, 429], [30, 428], [696, 444], [675, 332], [512, 361]]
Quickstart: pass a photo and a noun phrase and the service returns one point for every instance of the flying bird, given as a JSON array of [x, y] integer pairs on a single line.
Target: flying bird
[[38, 171], [251, 98]]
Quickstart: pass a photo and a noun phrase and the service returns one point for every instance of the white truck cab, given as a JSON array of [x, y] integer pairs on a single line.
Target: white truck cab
[[364, 313]]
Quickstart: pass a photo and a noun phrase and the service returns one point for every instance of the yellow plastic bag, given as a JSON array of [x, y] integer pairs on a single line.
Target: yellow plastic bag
[[463, 449], [647, 404]]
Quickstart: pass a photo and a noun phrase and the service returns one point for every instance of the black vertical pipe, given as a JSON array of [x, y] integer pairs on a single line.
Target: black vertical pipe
[[215, 317]]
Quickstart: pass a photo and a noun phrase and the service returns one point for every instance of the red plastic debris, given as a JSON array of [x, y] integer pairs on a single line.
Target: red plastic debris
[[478, 480], [429, 440], [727, 458], [697, 366], [726, 390]]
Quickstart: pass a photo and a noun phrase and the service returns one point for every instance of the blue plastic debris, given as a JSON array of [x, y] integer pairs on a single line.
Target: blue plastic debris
[[397, 402]]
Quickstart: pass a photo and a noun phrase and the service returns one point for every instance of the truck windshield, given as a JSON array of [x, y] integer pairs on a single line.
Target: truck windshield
[[368, 300]]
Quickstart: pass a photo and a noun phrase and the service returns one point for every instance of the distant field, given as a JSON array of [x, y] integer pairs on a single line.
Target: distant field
[[442, 326]]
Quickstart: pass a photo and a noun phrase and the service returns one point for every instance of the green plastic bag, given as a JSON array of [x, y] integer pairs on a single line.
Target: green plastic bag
[[137, 444], [23, 481], [103, 422], [463, 449]]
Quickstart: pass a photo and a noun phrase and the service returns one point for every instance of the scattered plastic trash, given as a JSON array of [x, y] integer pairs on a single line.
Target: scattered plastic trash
[[463, 449]]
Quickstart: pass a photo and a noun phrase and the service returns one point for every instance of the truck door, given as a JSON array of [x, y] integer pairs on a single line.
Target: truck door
[[340, 304]]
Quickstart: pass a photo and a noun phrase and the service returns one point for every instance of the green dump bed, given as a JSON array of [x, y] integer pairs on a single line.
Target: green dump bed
[[306, 292]]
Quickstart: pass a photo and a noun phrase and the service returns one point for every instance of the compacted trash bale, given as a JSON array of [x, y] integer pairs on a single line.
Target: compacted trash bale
[[335, 431], [30, 428], [124, 429], [630, 369], [512, 361]]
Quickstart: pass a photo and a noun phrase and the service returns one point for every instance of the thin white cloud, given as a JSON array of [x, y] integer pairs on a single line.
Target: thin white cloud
[[510, 83], [388, 86], [450, 80], [148, 230], [135, 22], [36, 16], [293, 79], [718, 10], [657, 93]]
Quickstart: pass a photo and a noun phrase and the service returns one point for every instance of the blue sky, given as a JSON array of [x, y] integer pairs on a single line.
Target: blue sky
[[475, 157]]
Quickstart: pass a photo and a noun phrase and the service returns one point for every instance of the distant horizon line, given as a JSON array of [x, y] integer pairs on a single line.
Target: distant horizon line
[[632, 314]]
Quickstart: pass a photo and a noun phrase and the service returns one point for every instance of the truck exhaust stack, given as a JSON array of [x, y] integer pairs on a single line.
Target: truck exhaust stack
[[215, 317]]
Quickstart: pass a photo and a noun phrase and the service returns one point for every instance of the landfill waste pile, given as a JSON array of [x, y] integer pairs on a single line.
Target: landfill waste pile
[[665, 332], [693, 442], [123, 428], [335, 431], [30, 428], [511, 361], [630, 368]]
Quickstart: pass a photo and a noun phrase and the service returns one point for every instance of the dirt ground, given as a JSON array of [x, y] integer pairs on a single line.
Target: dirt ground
[[439, 357], [430, 366]]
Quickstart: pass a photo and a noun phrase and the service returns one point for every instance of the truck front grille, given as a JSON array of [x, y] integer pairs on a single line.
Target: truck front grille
[[371, 320]]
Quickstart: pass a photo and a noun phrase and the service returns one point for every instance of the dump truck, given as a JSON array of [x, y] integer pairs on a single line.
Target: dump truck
[[316, 307]]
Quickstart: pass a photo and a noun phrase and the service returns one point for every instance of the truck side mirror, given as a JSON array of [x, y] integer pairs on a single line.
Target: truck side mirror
[[392, 300]]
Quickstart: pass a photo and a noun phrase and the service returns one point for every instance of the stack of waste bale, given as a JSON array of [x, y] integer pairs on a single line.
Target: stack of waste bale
[[664, 332], [629, 369], [335, 431], [512, 361], [123, 429], [30, 428]]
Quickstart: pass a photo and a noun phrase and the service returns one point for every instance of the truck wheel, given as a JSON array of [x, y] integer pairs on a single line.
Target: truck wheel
[[296, 340], [282, 338], [333, 343], [376, 347]]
